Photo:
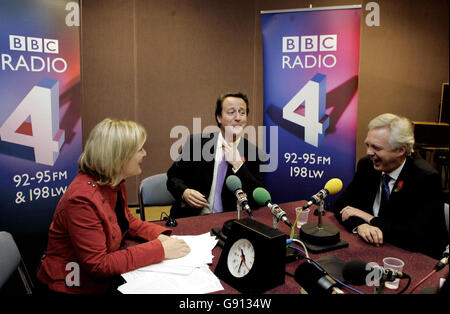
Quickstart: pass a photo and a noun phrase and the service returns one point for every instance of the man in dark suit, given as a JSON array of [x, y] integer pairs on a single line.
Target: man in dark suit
[[395, 195], [197, 178]]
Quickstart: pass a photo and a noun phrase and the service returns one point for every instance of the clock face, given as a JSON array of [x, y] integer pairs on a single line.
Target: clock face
[[241, 258]]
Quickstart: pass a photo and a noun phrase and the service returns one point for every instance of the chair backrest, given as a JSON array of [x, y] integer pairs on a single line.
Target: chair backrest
[[446, 216], [11, 260], [153, 192], [9, 257]]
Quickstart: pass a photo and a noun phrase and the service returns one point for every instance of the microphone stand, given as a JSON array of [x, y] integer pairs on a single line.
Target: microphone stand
[[239, 209], [379, 289], [275, 222], [320, 212], [319, 236]]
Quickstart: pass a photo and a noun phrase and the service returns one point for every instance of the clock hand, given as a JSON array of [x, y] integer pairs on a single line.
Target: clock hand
[[243, 260]]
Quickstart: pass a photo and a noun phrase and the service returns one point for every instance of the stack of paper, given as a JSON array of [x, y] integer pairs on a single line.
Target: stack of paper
[[188, 274]]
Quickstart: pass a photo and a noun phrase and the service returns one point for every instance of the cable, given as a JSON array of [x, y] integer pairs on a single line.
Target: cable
[[291, 275], [302, 244], [295, 223], [161, 216], [317, 265], [423, 280], [442, 263], [407, 285]]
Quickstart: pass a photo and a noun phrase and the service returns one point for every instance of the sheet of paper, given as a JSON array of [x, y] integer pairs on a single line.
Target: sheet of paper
[[200, 281], [177, 276], [200, 254]]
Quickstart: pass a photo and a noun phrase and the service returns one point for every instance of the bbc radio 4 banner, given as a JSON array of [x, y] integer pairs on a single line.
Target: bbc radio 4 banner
[[311, 60], [40, 109]]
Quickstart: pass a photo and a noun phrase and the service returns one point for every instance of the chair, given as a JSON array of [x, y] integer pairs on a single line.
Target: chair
[[11, 260], [153, 192], [446, 216]]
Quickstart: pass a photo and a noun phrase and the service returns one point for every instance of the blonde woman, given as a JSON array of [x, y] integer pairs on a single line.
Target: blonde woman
[[84, 253]]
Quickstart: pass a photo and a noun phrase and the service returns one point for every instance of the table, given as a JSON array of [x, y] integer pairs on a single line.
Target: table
[[417, 265]]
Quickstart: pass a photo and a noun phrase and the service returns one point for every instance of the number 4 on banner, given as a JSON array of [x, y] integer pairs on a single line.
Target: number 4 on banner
[[312, 99], [42, 133]]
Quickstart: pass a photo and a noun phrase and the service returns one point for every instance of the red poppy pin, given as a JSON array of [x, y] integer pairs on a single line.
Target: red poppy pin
[[399, 186]]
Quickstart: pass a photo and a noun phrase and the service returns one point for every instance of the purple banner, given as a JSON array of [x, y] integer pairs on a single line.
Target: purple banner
[[311, 60], [40, 109]]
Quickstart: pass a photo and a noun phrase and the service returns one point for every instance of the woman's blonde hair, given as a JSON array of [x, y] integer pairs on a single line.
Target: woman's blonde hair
[[402, 132], [110, 144]]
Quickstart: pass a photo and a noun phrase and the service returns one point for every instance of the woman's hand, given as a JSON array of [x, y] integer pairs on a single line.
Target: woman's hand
[[174, 248]]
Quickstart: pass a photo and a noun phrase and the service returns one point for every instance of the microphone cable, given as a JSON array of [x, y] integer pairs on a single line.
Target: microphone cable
[[289, 241], [442, 263], [170, 222], [318, 266], [423, 280], [407, 285], [294, 224]]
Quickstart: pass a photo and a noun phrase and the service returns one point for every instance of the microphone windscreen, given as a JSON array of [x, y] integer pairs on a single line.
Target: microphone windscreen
[[233, 183], [355, 273], [261, 196], [333, 186]]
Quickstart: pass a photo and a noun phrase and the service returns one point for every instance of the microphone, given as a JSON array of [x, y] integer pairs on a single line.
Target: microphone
[[333, 186], [315, 281], [320, 236], [444, 261], [262, 197], [356, 272], [234, 184]]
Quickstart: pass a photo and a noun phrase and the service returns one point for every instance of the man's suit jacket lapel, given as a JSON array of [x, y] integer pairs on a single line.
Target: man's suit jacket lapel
[[208, 147], [373, 185], [396, 193]]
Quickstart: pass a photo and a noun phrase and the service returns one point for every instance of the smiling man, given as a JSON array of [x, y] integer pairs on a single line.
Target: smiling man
[[395, 195], [198, 184]]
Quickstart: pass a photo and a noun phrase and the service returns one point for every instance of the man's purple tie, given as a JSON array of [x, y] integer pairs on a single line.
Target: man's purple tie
[[221, 172]]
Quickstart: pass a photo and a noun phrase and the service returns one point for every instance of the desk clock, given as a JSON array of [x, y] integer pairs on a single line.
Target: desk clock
[[253, 257]]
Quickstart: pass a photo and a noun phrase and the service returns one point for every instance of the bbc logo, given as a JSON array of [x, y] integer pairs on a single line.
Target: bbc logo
[[310, 43], [33, 44]]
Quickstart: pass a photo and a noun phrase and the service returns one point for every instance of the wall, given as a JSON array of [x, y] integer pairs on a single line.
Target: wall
[[163, 62]]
